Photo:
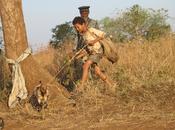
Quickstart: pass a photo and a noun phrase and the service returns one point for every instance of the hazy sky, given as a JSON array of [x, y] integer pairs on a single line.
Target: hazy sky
[[43, 15]]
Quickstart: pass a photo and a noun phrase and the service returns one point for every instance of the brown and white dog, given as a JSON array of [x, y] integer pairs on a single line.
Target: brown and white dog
[[40, 96]]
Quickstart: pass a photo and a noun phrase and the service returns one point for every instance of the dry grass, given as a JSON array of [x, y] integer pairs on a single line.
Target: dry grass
[[146, 72], [144, 98]]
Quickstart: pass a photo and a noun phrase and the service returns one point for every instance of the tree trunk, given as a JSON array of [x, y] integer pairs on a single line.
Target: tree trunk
[[15, 39]]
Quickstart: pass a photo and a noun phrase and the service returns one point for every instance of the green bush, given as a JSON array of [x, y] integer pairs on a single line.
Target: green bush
[[135, 23], [62, 33]]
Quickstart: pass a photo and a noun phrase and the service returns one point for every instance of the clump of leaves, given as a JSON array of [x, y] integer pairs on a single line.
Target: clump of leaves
[[137, 23]]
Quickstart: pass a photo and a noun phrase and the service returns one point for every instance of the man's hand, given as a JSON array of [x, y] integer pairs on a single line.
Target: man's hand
[[81, 54], [91, 43], [70, 54]]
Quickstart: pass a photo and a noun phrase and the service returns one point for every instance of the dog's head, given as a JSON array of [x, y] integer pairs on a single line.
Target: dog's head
[[39, 99], [42, 95]]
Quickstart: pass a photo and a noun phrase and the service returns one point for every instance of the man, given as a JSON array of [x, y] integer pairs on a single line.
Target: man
[[84, 13], [94, 50]]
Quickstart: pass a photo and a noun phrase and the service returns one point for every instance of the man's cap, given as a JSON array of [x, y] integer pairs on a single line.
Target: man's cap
[[83, 8]]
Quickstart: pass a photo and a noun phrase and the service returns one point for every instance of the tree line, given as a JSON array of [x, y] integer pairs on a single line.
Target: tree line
[[133, 23]]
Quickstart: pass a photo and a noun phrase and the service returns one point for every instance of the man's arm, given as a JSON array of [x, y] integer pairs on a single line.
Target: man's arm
[[93, 23], [92, 42], [97, 34], [81, 54]]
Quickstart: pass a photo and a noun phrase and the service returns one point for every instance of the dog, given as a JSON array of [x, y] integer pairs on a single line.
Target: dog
[[39, 98], [1, 123]]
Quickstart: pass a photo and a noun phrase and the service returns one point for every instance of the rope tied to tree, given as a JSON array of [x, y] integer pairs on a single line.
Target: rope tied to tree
[[19, 90]]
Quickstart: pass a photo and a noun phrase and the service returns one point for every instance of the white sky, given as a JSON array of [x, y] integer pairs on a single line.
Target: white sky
[[43, 15]]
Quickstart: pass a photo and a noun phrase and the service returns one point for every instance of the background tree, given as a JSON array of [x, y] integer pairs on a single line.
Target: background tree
[[137, 22], [132, 23], [61, 33], [15, 39]]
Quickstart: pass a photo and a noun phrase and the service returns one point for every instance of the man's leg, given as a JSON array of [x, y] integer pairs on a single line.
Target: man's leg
[[84, 77], [86, 67], [102, 76]]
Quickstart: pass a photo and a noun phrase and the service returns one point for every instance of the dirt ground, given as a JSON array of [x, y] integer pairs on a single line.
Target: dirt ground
[[85, 112]]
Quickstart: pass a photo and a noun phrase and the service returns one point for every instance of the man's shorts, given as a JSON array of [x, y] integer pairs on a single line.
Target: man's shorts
[[95, 57]]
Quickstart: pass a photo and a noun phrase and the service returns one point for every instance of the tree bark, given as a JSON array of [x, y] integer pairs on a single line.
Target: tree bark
[[15, 39]]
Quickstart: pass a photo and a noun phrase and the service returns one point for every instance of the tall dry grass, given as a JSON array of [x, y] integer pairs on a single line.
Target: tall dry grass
[[145, 86], [145, 73], [55, 59]]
